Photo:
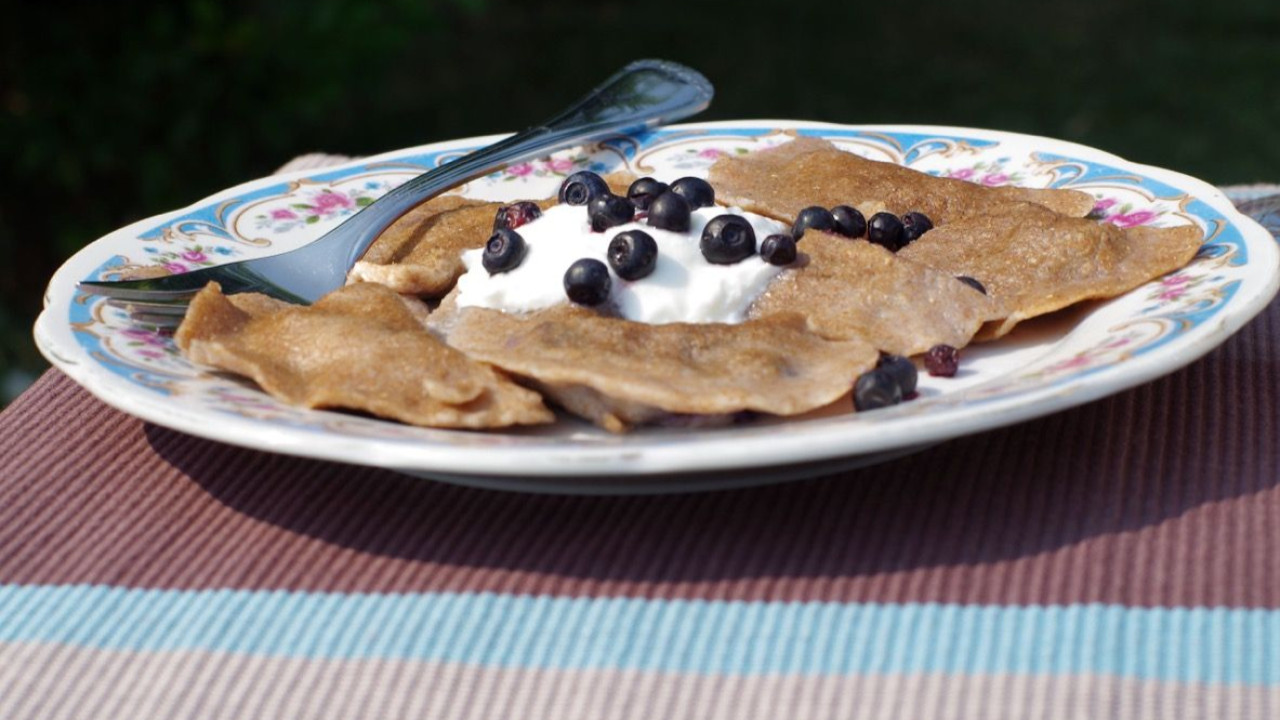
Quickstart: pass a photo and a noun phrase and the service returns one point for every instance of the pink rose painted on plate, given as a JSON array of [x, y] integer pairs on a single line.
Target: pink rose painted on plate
[[1122, 215], [543, 168], [145, 337], [695, 158], [328, 202], [1173, 287], [988, 173], [559, 165], [315, 206], [183, 259], [1132, 219]]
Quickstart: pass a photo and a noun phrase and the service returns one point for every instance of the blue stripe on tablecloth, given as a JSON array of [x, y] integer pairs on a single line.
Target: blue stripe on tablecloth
[[1221, 645]]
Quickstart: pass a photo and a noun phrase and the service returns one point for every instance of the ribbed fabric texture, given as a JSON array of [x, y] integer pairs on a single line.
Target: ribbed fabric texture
[[1118, 560], [1166, 495]]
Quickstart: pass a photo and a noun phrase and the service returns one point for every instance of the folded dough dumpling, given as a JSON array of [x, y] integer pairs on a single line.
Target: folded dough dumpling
[[363, 348], [849, 288], [783, 180], [619, 373], [1033, 261], [421, 253]]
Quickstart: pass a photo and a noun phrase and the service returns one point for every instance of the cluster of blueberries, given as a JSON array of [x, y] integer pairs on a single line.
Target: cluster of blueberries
[[894, 377], [726, 239], [884, 228], [632, 254]]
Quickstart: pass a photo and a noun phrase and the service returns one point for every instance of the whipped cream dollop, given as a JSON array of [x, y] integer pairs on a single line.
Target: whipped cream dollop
[[684, 286]]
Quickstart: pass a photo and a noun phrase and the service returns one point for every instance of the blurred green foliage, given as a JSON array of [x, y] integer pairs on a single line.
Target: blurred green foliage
[[110, 112]]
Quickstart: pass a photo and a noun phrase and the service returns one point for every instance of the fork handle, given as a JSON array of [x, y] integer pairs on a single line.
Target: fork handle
[[642, 94]]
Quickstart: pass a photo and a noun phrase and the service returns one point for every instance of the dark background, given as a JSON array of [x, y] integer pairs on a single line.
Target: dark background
[[111, 112]]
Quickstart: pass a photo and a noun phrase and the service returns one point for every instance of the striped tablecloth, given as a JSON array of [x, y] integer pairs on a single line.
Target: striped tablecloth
[[1119, 560]]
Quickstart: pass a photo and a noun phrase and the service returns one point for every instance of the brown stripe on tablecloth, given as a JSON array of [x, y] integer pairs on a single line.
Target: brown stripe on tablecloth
[[1164, 495]]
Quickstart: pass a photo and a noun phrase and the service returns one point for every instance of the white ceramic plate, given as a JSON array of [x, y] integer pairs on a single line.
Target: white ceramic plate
[[1047, 365]]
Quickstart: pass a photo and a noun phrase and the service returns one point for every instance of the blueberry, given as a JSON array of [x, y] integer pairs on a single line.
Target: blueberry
[[942, 361], [697, 191], [609, 210], [503, 252], [849, 221], [633, 254], [972, 283], [885, 229], [728, 239], [812, 218], [643, 191], [903, 371], [671, 212], [778, 249], [876, 389], [580, 187], [510, 217], [587, 282], [914, 225]]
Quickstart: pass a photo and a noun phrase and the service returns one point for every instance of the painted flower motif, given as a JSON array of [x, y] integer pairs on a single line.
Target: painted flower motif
[[559, 165], [328, 202], [1131, 219], [1170, 289], [988, 173], [183, 259], [547, 167], [309, 208], [1101, 206], [700, 158], [1088, 358], [145, 337], [1124, 215], [1073, 363], [147, 345]]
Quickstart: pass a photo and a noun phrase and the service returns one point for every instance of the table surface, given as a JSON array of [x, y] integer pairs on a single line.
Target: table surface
[[1121, 559]]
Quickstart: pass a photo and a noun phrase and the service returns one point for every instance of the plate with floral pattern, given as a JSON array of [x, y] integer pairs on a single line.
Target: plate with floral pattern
[[1048, 364]]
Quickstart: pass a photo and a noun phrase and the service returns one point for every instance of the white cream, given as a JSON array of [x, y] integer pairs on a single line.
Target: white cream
[[684, 287]]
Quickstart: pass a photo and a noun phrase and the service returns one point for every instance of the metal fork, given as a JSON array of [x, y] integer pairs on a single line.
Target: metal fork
[[643, 94]]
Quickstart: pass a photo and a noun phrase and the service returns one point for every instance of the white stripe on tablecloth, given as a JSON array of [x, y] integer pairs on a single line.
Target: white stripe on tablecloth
[[47, 680]]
